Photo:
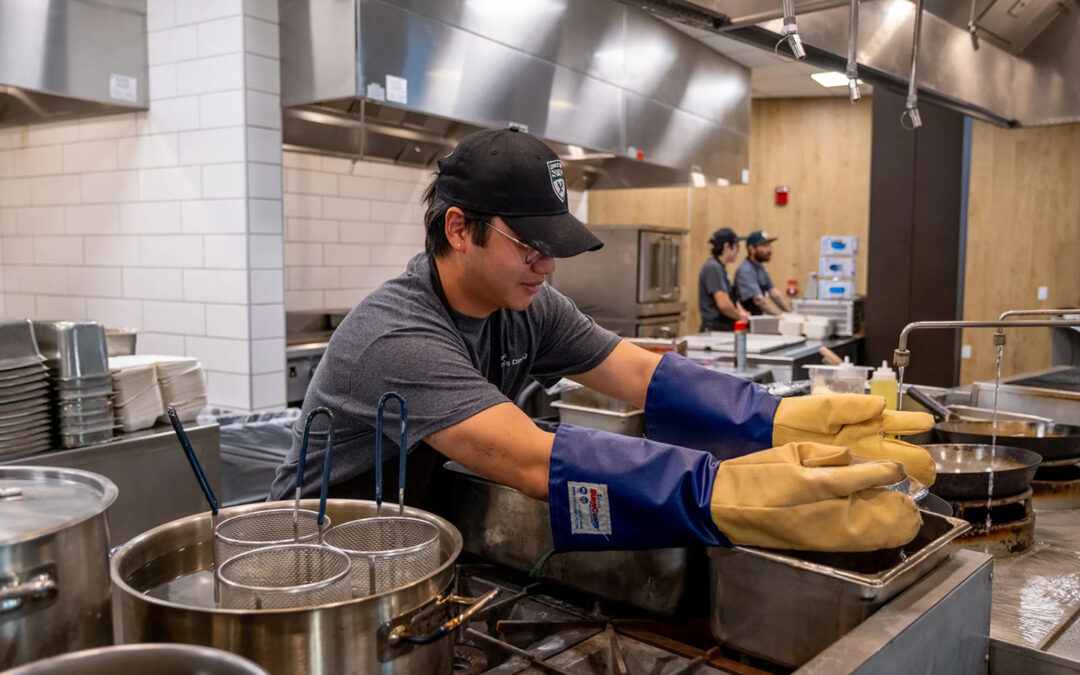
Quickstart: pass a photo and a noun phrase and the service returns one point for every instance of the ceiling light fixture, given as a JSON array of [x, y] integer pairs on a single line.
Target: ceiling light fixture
[[831, 78]]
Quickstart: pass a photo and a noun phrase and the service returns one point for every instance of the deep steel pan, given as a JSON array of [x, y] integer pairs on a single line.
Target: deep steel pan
[[345, 637], [964, 470], [1051, 441]]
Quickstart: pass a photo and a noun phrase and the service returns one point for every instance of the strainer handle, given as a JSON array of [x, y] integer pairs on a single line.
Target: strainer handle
[[326, 463], [193, 460], [403, 442]]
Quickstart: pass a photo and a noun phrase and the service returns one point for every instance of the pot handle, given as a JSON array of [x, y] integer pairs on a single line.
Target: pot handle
[[36, 587], [401, 635]]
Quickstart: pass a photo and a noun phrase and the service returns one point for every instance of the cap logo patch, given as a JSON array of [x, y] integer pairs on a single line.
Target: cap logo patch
[[558, 182]]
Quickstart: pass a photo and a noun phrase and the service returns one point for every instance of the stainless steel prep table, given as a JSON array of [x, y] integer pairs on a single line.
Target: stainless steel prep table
[[149, 468], [788, 364]]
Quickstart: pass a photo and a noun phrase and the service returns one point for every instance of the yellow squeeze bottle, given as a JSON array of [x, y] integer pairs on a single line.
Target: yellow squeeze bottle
[[883, 383]]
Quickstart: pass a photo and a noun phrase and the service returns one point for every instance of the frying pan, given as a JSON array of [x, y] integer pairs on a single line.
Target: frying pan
[[1051, 441], [964, 470]]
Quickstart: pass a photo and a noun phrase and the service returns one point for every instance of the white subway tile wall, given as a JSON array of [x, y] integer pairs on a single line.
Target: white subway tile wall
[[169, 220], [341, 227], [351, 225]]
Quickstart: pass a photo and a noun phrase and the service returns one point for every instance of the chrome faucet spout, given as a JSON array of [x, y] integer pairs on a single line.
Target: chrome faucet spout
[[902, 356]]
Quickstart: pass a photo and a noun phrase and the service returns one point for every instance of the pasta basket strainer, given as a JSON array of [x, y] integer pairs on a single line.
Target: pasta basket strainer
[[284, 577], [277, 527], [392, 551]]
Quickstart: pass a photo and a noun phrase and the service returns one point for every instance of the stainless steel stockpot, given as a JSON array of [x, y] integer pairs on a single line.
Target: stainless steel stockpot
[[405, 630], [157, 659], [54, 562]]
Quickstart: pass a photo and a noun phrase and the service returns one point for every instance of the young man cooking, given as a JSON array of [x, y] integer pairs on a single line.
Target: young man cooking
[[471, 319], [716, 298]]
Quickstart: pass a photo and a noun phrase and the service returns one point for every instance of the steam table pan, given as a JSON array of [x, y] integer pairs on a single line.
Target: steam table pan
[[787, 606], [74, 349], [18, 348]]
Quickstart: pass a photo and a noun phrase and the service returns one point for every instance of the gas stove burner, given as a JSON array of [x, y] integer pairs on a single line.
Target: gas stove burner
[[469, 660], [527, 630], [1012, 524], [1057, 486]]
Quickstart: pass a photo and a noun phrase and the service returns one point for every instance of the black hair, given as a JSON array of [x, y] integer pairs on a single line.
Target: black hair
[[718, 245], [435, 243]]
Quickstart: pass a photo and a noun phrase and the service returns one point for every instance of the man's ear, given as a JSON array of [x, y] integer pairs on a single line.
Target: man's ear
[[455, 228]]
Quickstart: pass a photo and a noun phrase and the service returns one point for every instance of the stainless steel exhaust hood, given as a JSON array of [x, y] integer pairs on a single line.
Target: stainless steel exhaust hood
[[625, 99], [1025, 73], [61, 59]]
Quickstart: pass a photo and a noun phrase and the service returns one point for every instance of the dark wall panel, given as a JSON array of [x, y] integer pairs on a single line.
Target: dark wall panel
[[915, 236]]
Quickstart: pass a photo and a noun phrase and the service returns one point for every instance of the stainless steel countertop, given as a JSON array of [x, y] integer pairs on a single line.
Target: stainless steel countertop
[[792, 353], [151, 471]]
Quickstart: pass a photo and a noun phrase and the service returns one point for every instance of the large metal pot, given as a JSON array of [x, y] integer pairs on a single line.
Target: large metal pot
[[54, 562], [376, 634], [158, 659]]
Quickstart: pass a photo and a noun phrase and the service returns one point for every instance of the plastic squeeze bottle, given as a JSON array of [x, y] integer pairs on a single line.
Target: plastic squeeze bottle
[[883, 383]]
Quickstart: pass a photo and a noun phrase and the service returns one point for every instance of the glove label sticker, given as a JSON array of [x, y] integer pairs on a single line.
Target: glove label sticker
[[589, 509]]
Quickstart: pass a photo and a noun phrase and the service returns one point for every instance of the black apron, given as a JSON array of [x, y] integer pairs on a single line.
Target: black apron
[[422, 489]]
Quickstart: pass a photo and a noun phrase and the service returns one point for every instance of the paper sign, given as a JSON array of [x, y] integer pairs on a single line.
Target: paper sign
[[397, 89], [123, 87]]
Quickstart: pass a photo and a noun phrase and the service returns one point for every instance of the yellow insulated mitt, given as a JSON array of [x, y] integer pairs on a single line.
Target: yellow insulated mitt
[[809, 496], [859, 423]]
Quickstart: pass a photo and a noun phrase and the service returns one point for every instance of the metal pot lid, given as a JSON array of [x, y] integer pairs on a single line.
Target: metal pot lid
[[39, 500]]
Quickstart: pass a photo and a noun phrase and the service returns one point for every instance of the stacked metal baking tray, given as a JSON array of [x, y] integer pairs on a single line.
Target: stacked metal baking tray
[[25, 422], [82, 386]]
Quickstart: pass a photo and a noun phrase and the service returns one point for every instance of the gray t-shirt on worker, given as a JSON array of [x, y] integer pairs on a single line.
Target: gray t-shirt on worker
[[713, 278], [401, 338], [751, 279]]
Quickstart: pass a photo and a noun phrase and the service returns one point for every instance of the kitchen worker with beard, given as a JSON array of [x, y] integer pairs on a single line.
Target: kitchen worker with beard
[[753, 287], [471, 319]]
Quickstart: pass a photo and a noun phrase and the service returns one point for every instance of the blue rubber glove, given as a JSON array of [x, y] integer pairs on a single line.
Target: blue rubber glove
[[689, 405], [613, 492]]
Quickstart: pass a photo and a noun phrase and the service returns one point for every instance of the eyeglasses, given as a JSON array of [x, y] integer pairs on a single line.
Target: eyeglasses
[[531, 254]]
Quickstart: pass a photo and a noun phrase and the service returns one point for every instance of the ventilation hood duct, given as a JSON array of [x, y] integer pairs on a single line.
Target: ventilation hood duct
[[1025, 73], [625, 99], [62, 59]]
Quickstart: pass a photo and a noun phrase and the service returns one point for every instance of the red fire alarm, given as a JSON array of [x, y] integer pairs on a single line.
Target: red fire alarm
[[781, 195]]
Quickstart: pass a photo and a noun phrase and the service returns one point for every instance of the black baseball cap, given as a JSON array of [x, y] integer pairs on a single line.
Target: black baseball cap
[[758, 237], [513, 175], [725, 235]]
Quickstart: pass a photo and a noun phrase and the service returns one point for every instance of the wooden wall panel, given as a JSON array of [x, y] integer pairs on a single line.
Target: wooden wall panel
[[1023, 232], [663, 207], [819, 148]]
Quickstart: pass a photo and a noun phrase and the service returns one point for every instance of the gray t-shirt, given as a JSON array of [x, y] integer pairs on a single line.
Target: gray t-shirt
[[751, 279], [713, 278], [401, 338]]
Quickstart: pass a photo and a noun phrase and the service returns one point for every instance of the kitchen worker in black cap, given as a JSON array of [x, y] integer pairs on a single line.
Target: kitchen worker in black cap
[[716, 298], [753, 287], [471, 319]]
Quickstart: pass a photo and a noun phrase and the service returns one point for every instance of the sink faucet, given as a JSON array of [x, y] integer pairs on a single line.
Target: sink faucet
[[1038, 312], [902, 356]]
